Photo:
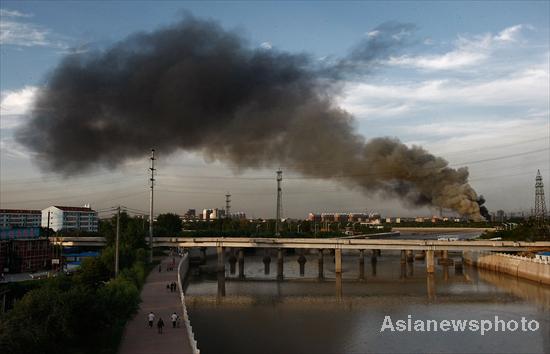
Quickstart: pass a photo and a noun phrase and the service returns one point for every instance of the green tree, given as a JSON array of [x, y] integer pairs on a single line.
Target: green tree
[[168, 225]]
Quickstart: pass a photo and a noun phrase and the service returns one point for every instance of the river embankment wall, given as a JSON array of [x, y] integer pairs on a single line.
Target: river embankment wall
[[183, 268], [535, 269]]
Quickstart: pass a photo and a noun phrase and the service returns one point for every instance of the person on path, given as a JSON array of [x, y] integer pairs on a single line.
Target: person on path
[[160, 268], [174, 318], [160, 324], [151, 319]]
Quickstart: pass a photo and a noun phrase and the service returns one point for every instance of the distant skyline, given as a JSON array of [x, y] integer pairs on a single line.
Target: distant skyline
[[472, 87]]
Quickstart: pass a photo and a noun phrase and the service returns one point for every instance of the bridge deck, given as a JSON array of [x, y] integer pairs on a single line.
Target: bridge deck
[[138, 337], [326, 243]]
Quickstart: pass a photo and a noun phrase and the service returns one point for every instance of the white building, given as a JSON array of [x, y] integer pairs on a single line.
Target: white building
[[70, 218], [19, 218]]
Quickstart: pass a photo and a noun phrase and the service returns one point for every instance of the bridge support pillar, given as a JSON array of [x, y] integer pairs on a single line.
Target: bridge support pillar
[[373, 261], [280, 260], [267, 262], [203, 255], [241, 263], [403, 263], [221, 270], [320, 260], [302, 262], [338, 260], [232, 262], [362, 264], [430, 265]]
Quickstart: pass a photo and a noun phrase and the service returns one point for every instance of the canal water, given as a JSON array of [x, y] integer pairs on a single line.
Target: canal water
[[305, 315]]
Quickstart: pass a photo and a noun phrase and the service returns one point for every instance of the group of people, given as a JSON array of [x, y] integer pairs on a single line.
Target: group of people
[[160, 323], [172, 286], [169, 266]]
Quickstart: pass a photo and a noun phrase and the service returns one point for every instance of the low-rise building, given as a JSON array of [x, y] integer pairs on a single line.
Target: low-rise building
[[11, 218], [70, 218]]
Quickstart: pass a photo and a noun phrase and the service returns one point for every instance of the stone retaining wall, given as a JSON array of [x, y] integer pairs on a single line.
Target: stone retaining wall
[[534, 269]]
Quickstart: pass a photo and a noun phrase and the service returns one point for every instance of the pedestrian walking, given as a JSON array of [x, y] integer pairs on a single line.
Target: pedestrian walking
[[151, 319], [174, 318], [160, 324], [160, 268]]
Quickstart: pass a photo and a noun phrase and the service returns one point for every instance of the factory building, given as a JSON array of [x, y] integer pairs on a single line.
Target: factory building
[[342, 217], [70, 218]]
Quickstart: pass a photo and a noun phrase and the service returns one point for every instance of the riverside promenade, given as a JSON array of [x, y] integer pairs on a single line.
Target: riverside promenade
[[138, 338]]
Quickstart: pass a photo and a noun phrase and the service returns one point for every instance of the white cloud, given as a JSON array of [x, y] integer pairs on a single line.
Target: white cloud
[[373, 33], [527, 87], [467, 51], [14, 106], [17, 102], [9, 148], [25, 34], [13, 13], [509, 34], [266, 45]]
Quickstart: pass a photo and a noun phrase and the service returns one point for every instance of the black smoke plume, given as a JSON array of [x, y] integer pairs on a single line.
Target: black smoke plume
[[483, 209], [196, 87]]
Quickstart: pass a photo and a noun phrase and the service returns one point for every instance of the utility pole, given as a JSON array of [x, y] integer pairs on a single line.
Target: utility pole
[[48, 230], [152, 179], [117, 240], [228, 206], [279, 203]]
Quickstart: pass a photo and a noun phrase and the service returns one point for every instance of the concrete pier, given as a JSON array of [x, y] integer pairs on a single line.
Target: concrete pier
[[302, 262], [338, 260], [267, 262], [280, 261], [410, 256], [232, 262], [203, 255], [362, 264], [373, 261], [430, 264], [320, 263], [240, 259], [221, 271]]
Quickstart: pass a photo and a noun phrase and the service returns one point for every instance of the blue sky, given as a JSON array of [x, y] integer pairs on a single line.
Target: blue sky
[[472, 87]]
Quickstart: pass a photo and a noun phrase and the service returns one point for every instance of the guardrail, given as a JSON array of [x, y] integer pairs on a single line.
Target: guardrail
[[183, 266]]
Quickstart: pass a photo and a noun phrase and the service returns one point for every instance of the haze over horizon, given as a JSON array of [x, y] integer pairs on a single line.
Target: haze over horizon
[[474, 92]]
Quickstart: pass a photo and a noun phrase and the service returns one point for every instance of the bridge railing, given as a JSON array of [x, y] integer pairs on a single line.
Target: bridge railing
[[183, 268]]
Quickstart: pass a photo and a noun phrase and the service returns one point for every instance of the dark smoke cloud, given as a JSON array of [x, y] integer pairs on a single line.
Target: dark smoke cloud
[[194, 86], [483, 209], [379, 44]]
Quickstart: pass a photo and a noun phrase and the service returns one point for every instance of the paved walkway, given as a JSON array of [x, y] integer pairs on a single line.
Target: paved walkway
[[138, 338]]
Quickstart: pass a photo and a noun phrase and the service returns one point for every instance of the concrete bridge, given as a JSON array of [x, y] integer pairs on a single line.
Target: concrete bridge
[[407, 247]]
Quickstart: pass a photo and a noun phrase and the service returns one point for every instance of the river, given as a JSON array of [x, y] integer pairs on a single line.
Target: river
[[305, 315]]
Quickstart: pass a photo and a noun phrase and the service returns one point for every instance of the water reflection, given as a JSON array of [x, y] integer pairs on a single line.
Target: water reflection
[[341, 314]]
